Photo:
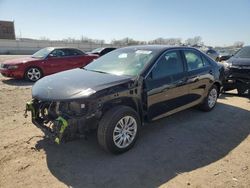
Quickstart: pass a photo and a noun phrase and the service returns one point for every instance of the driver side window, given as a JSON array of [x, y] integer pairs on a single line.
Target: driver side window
[[58, 53]]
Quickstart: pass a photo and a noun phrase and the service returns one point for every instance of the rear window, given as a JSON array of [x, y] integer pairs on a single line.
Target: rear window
[[193, 60], [73, 52]]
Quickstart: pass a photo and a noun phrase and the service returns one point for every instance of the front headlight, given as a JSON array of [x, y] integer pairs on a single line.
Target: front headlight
[[76, 106], [12, 67], [73, 108], [87, 92]]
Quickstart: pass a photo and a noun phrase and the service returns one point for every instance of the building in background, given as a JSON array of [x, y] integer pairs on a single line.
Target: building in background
[[7, 30]]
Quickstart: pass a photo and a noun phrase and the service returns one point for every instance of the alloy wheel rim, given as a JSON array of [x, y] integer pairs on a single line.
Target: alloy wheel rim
[[212, 98], [125, 131], [34, 74]]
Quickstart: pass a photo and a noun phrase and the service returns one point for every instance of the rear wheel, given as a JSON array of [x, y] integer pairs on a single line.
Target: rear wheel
[[211, 99], [118, 129], [33, 74]]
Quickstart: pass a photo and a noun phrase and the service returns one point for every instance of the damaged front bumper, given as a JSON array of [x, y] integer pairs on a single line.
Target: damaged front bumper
[[60, 122], [59, 128]]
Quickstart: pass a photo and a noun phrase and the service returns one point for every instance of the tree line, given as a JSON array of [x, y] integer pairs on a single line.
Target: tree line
[[195, 41]]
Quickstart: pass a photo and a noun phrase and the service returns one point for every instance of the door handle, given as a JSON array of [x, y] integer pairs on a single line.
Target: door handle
[[211, 72], [194, 79], [166, 87], [181, 82]]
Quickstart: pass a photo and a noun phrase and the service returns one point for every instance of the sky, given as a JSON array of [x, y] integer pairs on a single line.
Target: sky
[[218, 22]]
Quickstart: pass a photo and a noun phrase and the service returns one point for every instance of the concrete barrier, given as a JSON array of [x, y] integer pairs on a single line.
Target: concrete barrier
[[27, 47]]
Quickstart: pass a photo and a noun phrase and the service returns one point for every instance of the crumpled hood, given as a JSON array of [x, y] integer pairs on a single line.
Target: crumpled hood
[[239, 61], [19, 60], [74, 84]]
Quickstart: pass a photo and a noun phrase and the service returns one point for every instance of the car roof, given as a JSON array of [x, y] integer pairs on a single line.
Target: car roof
[[103, 48], [106, 47], [145, 47], [158, 47], [61, 47]]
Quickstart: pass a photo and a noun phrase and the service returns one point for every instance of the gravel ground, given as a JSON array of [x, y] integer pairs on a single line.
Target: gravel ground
[[188, 149]]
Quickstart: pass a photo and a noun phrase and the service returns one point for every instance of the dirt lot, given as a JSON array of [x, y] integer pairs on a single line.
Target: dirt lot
[[188, 149]]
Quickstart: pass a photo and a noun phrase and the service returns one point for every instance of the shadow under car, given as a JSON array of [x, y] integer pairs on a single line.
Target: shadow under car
[[179, 143]]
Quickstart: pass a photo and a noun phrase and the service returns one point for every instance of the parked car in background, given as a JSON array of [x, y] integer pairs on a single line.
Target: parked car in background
[[117, 92], [224, 55], [102, 51], [238, 71], [213, 54], [45, 62]]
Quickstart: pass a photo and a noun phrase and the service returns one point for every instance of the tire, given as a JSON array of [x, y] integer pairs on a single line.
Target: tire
[[241, 89], [33, 74], [112, 136], [210, 101]]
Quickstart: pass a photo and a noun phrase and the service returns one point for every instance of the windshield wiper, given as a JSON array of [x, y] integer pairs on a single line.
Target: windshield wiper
[[99, 71], [95, 71]]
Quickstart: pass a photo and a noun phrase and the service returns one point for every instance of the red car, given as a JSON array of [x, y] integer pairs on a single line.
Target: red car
[[45, 62]]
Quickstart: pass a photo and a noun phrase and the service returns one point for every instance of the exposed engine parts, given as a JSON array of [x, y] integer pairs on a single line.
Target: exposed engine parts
[[64, 120]]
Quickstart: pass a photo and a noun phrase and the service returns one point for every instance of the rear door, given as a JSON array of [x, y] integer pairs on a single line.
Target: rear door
[[75, 58], [200, 75], [165, 85], [78, 58]]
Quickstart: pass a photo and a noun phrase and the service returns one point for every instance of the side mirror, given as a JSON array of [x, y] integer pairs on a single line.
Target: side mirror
[[51, 56]]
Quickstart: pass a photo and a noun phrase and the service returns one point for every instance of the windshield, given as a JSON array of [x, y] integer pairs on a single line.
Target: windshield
[[243, 53], [97, 50], [43, 53], [126, 61]]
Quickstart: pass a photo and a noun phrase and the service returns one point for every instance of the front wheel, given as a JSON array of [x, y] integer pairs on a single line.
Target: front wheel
[[211, 99], [33, 74], [118, 129]]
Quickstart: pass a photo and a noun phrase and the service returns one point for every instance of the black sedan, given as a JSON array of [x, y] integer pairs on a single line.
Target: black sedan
[[117, 92], [102, 51], [238, 71]]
